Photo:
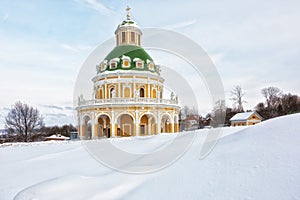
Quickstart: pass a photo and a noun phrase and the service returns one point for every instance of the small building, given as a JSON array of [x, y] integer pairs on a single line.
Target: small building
[[56, 137], [246, 119], [191, 122], [74, 135]]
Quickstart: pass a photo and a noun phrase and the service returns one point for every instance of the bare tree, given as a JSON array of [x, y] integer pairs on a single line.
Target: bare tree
[[219, 113], [236, 96], [23, 119], [272, 95]]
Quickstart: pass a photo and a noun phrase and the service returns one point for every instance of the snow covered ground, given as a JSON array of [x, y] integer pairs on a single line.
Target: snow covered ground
[[259, 162]]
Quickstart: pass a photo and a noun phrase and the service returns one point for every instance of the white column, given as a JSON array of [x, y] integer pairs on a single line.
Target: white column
[[148, 88], [80, 122], [172, 127], [119, 88], [158, 122], [105, 95], [92, 124], [173, 121], [112, 121], [137, 123]]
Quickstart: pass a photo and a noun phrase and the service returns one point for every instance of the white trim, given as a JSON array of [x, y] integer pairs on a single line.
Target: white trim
[[148, 113], [125, 113], [126, 58], [168, 114], [136, 59], [115, 60], [121, 73], [124, 80], [102, 113], [85, 115]]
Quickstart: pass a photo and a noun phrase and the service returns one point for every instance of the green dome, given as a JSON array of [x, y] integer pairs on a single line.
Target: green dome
[[133, 52]]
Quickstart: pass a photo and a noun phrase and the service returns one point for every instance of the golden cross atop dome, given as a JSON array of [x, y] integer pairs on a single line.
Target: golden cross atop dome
[[128, 12]]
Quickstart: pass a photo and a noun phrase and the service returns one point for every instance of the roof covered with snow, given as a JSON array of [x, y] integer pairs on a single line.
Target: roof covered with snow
[[244, 116], [59, 137]]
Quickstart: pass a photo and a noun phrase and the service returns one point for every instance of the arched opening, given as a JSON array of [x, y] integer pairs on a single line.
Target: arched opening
[[112, 93], [142, 92], [103, 128], [132, 37], [87, 128], [166, 124], [125, 126], [144, 125], [123, 37], [147, 125]]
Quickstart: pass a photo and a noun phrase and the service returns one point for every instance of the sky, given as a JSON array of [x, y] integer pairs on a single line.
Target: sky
[[254, 44]]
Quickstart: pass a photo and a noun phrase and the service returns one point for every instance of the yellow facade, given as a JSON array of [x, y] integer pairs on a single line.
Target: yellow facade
[[252, 119], [128, 93]]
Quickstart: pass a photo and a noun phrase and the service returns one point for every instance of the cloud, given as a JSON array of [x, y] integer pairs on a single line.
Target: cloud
[[52, 107], [68, 108], [56, 115], [52, 119], [181, 24], [96, 5]]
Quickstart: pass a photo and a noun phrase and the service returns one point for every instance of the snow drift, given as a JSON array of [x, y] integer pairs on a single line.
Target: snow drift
[[258, 162]]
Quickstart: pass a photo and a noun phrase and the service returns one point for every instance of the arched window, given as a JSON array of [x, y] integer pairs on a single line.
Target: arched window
[[132, 37], [112, 93], [126, 63], [123, 37], [151, 66], [142, 92], [113, 65]]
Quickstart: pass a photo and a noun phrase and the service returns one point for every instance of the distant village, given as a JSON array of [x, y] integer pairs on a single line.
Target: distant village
[[276, 104]]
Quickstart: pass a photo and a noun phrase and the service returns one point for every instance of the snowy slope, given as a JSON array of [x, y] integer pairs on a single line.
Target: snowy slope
[[259, 162]]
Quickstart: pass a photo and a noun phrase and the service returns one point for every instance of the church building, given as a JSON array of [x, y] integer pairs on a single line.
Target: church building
[[128, 92]]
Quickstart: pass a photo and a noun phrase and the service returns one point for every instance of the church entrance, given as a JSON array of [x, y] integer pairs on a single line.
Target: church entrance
[[103, 126], [166, 126], [125, 125], [147, 124]]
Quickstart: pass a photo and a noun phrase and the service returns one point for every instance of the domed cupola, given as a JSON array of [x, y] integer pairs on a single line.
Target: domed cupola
[[128, 32], [128, 53]]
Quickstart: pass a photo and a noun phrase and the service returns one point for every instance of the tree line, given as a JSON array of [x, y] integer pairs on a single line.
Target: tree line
[[24, 123], [276, 104]]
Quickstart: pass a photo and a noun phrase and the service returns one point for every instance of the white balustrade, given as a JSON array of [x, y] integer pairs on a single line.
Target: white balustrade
[[117, 100]]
